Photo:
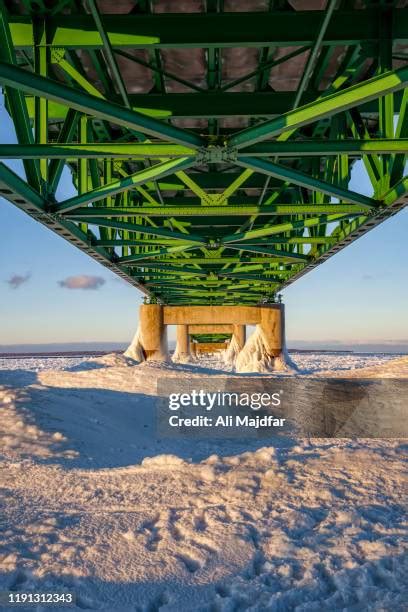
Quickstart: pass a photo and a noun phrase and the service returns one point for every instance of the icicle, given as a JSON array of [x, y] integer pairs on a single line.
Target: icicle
[[135, 349], [254, 356], [230, 354]]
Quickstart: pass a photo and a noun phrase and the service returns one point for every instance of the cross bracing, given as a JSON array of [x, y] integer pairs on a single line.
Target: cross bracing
[[211, 148]]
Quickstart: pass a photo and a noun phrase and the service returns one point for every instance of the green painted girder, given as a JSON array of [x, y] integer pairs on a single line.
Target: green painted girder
[[285, 256], [146, 229], [281, 227], [124, 184], [217, 180], [165, 30], [160, 252], [97, 151], [22, 80], [219, 283], [325, 148], [187, 270], [215, 211], [271, 240], [325, 106], [213, 105], [67, 133], [303, 180]]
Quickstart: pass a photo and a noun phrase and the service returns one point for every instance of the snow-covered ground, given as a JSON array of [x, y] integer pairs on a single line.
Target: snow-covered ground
[[307, 363], [92, 502]]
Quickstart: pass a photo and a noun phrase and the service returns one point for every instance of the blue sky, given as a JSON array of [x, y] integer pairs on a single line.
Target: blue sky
[[359, 295]]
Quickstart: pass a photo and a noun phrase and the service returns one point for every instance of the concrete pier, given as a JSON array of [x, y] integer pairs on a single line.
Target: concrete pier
[[154, 319], [183, 343], [153, 332], [272, 325], [239, 333]]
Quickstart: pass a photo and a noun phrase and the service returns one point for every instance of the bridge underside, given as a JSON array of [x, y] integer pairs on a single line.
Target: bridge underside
[[211, 150]]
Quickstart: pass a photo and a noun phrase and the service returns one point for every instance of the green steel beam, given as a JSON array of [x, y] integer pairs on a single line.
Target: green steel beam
[[280, 253], [277, 28], [325, 106], [22, 80], [98, 151], [314, 52], [146, 229], [158, 253], [124, 184], [173, 269], [108, 52], [303, 180], [210, 105], [323, 147], [216, 211], [285, 256], [280, 228], [291, 149], [271, 240], [56, 165]]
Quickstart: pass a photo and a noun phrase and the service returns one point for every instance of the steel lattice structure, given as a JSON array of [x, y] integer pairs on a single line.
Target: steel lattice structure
[[211, 150]]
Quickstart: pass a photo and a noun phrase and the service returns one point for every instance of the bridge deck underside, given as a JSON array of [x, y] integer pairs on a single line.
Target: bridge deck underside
[[211, 149]]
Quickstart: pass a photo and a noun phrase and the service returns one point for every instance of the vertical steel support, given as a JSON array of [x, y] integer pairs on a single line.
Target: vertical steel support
[[386, 103], [83, 164], [41, 104]]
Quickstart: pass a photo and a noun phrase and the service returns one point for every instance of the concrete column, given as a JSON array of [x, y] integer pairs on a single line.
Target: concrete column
[[193, 348], [153, 332], [239, 333], [273, 328], [183, 344]]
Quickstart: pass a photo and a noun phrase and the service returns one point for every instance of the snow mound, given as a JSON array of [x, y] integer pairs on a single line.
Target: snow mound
[[163, 462], [111, 360]]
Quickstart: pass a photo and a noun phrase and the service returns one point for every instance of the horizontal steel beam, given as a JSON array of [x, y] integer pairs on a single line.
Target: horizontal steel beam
[[291, 148], [261, 29], [219, 261], [271, 240], [85, 213], [145, 229], [94, 151], [323, 148], [213, 104]]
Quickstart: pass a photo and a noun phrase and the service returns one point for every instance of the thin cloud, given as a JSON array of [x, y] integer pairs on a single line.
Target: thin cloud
[[17, 280], [82, 281]]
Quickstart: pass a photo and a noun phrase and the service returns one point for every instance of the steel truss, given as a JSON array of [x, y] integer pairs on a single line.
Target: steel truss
[[212, 214]]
